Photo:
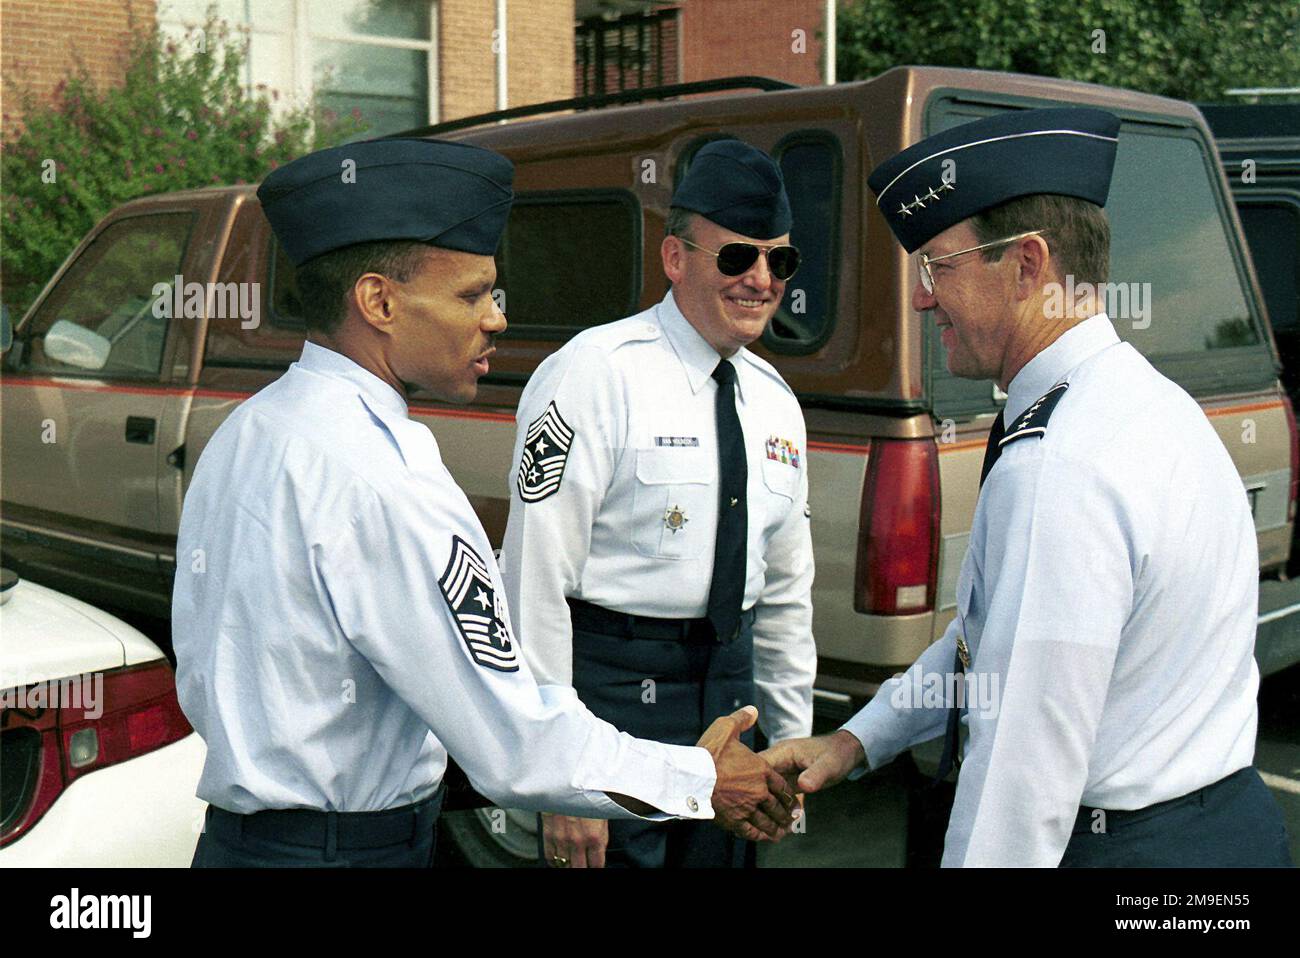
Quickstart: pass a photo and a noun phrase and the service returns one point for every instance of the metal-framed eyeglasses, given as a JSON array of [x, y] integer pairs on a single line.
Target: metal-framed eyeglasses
[[923, 262]]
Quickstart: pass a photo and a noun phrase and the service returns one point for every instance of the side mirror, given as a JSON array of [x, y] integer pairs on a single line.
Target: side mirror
[[76, 345]]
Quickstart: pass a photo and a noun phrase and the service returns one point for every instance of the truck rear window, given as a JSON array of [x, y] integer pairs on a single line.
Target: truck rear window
[[570, 259]]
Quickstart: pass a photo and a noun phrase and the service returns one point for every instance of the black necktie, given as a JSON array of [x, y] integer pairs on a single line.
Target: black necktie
[[727, 590], [991, 452]]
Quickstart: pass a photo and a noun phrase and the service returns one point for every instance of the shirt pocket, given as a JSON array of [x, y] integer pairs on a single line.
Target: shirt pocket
[[781, 479], [674, 507]]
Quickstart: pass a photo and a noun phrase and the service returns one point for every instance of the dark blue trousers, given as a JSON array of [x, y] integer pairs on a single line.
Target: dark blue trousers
[[1234, 823], [300, 838], [669, 691]]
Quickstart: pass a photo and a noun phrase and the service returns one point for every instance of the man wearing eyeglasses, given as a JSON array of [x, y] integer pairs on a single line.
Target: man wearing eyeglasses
[[658, 552], [1106, 604]]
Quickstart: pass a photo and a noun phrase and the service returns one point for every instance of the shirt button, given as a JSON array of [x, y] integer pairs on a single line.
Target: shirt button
[[692, 804]]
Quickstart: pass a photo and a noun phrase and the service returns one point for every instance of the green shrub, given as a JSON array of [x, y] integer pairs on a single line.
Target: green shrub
[[1189, 49], [181, 119]]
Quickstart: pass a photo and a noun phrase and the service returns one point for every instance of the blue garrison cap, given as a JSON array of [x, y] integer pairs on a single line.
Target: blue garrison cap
[[452, 195], [738, 187], [948, 177]]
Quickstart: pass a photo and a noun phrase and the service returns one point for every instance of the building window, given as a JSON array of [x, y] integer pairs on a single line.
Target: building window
[[633, 52], [375, 58]]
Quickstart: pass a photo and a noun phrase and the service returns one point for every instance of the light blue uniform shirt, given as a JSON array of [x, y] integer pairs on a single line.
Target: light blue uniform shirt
[[340, 625], [1108, 598], [631, 522]]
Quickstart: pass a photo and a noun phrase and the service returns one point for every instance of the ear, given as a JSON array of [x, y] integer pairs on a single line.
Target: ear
[[1034, 266], [673, 252], [372, 297]]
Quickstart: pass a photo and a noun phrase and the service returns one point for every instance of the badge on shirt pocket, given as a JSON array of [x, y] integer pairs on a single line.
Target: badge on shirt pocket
[[673, 489]]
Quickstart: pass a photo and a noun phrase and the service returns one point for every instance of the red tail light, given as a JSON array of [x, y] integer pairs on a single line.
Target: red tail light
[[898, 528], [46, 749], [1295, 457]]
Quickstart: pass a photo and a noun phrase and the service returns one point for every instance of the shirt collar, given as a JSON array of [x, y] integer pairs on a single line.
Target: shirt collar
[[1056, 362], [380, 396], [697, 357]]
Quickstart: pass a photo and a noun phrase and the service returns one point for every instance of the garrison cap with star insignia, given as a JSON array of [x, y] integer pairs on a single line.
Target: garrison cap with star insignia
[[546, 450], [1034, 420], [477, 609], [737, 186], [951, 176], [452, 195]]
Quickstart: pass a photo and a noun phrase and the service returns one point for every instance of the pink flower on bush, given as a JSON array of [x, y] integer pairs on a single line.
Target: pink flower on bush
[[157, 167], [191, 135]]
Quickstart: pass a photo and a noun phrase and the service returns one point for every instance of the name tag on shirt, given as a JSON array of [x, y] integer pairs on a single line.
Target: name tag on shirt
[[677, 441]]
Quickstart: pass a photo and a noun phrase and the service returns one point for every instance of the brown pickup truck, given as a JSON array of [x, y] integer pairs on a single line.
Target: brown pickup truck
[[176, 308]]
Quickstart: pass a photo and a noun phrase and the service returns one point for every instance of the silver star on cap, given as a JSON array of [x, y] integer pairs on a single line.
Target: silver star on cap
[[916, 201], [905, 210], [932, 195]]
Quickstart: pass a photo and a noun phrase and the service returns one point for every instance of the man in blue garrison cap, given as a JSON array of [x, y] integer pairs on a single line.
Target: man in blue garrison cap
[[1101, 661], [657, 552], [342, 627]]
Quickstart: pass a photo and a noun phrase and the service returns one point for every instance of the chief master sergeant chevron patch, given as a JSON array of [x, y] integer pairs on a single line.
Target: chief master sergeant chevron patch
[[546, 450]]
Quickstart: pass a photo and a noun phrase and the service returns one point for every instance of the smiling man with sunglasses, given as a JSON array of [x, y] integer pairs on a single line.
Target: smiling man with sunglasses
[[658, 551], [1106, 603]]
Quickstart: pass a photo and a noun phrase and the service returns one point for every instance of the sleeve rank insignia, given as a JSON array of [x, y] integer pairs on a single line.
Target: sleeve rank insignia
[[546, 450], [1034, 420], [478, 610]]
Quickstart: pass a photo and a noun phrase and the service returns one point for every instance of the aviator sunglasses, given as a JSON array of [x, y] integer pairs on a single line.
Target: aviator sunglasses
[[734, 259]]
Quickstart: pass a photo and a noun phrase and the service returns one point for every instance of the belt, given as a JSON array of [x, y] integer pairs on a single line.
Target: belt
[[595, 618], [329, 830], [1121, 816]]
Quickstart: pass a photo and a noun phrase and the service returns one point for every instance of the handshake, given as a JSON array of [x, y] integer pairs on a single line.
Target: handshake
[[757, 797]]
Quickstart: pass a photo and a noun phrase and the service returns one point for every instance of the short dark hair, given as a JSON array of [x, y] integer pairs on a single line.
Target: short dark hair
[[325, 281], [679, 223], [1078, 233]]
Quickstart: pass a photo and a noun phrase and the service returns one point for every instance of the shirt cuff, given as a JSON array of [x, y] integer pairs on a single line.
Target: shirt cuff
[[676, 779]]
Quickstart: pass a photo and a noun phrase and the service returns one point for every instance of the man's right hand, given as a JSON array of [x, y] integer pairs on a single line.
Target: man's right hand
[[574, 842], [750, 798], [812, 764]]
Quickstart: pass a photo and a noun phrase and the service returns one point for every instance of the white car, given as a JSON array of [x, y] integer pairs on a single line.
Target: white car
[[98, 765]]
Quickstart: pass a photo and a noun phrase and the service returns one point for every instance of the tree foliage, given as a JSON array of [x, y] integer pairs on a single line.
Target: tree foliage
[[1178, 48], [181, 118]]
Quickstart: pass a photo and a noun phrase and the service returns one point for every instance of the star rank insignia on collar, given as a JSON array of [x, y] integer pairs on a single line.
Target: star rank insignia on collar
[[546, 450], [477, 609], [1033, 422]]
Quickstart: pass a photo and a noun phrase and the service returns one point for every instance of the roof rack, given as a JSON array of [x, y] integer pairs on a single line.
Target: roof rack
[[598, 100]]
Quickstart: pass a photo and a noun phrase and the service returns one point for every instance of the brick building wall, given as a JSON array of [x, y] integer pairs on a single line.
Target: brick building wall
[[539, 54], [729, 37], [42, 42]]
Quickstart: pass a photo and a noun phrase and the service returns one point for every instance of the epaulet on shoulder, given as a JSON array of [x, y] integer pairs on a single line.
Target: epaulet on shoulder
[[1033, 422], [767, 369], [609, 336]]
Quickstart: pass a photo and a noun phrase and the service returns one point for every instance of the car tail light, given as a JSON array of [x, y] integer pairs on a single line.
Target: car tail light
[[898, 528], [46, 749], [1295, 457]]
